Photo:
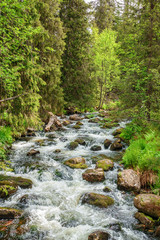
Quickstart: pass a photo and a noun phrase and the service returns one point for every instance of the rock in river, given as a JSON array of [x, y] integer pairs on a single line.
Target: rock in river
[[96, 148], [98, 200], [117, 145], [98, 235], [144, 219], [77, 162], [148, 204], [94, 175], [105, 164], [73, 145], [15, 181], [129, 180], [33, 152], [9, 213], [107, 143], [75, 117]]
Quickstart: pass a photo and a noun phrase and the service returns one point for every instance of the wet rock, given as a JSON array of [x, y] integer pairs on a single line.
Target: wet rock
[[76, 126], [110, 125], [40, 142], [31, 132], [129, 180], [116, 145], [107, 143], [79, 123], [33, 152], [117, 131], [144, 219], [50, 135], [73, 145], [98, 235], [16, 181], [96, 148], [75, 117], [80, 141], [7, 188], [107, 189], [77, 162], [9, 213], [98, 157], [94, 120], [94, 175], [115, 227], [105, 164], [148, 204], [66, 122], [57, 151], [98, 200]]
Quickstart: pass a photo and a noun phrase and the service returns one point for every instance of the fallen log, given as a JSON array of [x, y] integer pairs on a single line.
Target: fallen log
[[53, 122]]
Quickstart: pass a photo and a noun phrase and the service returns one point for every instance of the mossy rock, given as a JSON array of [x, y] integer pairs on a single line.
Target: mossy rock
[[98, 200], [117, 131], [107, 189], [9, 213], [105, 164], [98, 157], [94, 120], [96, 148], [94, 175], [107, 143], [144, 219], [17, 181], [110, 125], [77, 162], [73, 145], [99, 235], [80, 141], [76, 126], [79, 123]]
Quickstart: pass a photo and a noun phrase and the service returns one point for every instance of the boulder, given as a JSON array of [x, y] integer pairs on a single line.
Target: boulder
[[77, 162], [79, 123], [73, 145], [129, 180], [94, 120], [80, 141], [148, 204], [51, 135], [110, 125], [33, 152], [9, 213], [116, 145], [107, 143], [75, 117], [76, 126], [94, 175], [96, 148], [99, 235], [98, 157], [16, 181], [117, 131], [105, 164], [98, 200], [144, 219], [107, 189], [66, 122], [57, 151]]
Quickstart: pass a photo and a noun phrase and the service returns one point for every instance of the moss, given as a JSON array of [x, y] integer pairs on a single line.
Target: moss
[[104, 164], [80, 141], [76, 126], [73, 145], [98, 200], [75, 165], [17, 181]]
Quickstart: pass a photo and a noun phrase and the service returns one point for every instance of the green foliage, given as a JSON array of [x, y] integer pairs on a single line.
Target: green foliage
[[79, 86], [143, 153], [132, 129]]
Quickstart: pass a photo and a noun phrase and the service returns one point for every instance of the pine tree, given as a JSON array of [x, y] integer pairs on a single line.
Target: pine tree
[[50, 44], [140, 59], [77, 64], [104, 14]]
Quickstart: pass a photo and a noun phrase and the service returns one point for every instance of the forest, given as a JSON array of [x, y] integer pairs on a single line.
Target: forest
[[75, 56]]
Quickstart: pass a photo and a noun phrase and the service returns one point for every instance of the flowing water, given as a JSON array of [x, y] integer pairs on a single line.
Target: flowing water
[[54, 202]]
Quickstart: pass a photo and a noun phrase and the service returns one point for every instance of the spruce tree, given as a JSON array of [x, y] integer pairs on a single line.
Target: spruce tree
[[77, 64], [50, 45]]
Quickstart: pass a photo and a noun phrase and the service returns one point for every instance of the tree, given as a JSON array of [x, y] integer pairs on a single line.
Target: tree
[[77, 65], [18, 63], [140, 41], [104, 14], [50, 45], [106, 62]]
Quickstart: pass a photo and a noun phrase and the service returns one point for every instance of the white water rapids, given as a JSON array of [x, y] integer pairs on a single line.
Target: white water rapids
[[54, 205]]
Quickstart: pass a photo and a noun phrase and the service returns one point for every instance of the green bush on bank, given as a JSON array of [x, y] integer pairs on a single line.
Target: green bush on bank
[[144, 153]]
